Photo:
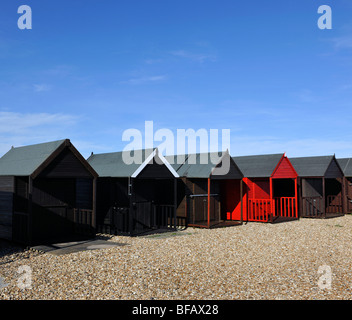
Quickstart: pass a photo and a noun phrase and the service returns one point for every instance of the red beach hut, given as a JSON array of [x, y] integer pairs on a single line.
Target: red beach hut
[[270, 188]]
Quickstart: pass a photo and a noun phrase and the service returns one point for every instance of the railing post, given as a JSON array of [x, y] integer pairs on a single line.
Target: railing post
[[175, 204], [296, 199], [271, 196], [208, 202]]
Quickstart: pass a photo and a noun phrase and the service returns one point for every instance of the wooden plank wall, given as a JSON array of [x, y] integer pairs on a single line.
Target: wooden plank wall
[[6, 207], [349, 195], [84, 193], [65, 165]]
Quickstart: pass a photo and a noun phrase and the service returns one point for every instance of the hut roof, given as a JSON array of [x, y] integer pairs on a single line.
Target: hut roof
[[258, 166], [116, 164], [23, 161], [312, 166], [30, 160], [203, 165], [346, 166]]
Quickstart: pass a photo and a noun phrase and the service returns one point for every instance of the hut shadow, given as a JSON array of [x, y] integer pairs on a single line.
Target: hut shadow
[[9, 248], [277, 220]]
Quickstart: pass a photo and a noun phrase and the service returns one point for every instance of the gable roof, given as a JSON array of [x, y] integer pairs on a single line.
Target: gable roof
[[312, 166], [346, 166], [31, 160], [115, 165], [258, 166], [205, 165], [23, 161]]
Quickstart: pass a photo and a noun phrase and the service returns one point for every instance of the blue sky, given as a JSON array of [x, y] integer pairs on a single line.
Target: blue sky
[[88, 70]]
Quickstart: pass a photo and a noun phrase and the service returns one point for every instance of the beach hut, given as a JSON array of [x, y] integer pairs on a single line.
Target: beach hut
[[321, 186], [346, 166], [212, 185], [135, 196], [46, 194], [270, 188]]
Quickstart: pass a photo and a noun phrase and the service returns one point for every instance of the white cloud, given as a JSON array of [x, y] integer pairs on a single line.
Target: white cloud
[[19, 129], [143, 80]]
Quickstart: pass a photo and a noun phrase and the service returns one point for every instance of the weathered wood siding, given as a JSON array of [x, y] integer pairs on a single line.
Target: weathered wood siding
[[6, 207], [333, 170], [312, 187], [111, 192], [20, 227], [65, 165], [53, 202], [197, 207], [233, 172], [84, 193], [155, 171], [349, 195]]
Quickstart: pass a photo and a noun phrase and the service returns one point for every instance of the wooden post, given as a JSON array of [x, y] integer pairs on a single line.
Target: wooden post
[[271, 197], [344, 195], [193, 204], [130, 214], [94, 209], [241, 195], [324, 199], [296, 197], [30, 211], [175, 203], [208, 202], [301, 202]]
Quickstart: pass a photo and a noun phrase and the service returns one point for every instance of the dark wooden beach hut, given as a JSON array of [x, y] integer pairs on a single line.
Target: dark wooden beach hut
[[212, 186], [321, 186], [137, 197], [270, 188], [346, 166], [46, 194]]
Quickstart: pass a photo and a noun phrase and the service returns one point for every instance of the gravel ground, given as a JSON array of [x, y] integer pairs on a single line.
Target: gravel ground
[[252, 261]]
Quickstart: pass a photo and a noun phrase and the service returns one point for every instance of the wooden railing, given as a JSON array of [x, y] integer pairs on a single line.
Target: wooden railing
[[285, 207], [164, 216], [146, 216], [259, 210], [312, 207], [334, 204], [349, 205], [83, 221]]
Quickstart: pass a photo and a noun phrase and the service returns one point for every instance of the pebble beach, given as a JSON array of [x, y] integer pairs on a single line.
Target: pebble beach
[[305, 259]]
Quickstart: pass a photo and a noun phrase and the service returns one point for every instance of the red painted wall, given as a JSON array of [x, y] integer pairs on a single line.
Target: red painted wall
[[284, 170]]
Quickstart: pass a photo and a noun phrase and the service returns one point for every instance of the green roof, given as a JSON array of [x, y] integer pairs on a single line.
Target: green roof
[[202, 165], [258, 166], [346, 166], [311, 166], [114, 165], [23, 161], [192, 166]]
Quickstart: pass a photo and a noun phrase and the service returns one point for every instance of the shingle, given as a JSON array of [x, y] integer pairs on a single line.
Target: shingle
[[202, 165], [113, 164], [346, 166], [199, 165], [311, 166], [23, 161], [258, 166]]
